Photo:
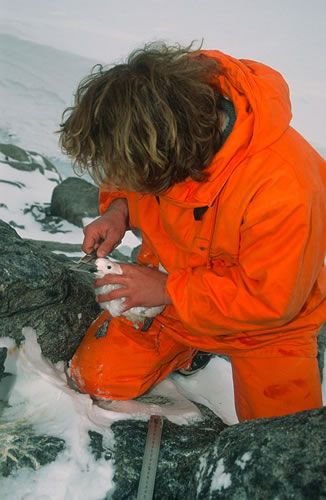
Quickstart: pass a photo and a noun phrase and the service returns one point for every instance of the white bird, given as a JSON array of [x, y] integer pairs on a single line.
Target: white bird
[[135, 314]]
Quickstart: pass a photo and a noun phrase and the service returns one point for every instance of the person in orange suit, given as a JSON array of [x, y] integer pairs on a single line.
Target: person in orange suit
[[194, 148]]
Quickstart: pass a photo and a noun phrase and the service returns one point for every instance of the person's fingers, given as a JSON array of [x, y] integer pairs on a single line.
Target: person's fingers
[[118, 293], [90, 242], [128, 303], [111, 279], [105, 247], [92, 237]]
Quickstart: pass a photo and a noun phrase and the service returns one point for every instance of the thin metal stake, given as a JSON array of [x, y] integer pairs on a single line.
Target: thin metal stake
[[150, 459]]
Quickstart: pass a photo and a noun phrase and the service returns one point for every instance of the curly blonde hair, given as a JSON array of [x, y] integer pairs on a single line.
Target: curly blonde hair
[[147, 124]]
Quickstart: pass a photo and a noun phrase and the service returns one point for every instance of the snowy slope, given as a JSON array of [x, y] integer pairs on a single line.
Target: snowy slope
[[37, 84]]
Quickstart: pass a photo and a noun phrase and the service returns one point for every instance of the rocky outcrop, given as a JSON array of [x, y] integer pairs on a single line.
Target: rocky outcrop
[[21, 447], [39, 290], [269, 458], [321, 351], [3, 355], [20, 159], [75, 199]]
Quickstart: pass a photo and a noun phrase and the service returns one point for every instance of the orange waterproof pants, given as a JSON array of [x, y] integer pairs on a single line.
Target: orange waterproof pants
[[272, 387], [117, 361]]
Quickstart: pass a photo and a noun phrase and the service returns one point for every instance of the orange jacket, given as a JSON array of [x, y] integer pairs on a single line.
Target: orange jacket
[[250, 274]]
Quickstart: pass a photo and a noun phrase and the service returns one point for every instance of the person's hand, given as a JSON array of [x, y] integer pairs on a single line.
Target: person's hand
[[105, 233], [140, 286]]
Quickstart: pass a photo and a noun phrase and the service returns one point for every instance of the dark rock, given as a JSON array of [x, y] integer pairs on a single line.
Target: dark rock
[[27, 161], [48, 222], [21, 447], [14, 224], [28, 280], [26, 167], [17, 184], [269, 458], [14, 152], [3, 355], [39, 290], [75, 199], [181, 449], [97, 448], [134, 253]]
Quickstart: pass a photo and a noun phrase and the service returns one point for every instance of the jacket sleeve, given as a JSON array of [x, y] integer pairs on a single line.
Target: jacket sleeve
[[282, 247], [106, 197]]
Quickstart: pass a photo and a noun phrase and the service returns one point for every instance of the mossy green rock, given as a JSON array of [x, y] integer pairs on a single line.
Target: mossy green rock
[[3, 355], [74, 199], [97, 447], [21, 447], [321, 350], [40, 291], [277, 458], [27, 161], [14, 152]]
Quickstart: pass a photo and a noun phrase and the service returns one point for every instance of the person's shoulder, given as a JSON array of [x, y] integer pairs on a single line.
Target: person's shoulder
[[295, 157]]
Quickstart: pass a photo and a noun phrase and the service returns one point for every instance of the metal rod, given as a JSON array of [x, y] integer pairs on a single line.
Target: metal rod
[[150, 459]]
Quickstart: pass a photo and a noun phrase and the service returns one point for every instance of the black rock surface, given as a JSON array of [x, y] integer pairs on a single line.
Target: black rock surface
[[3, 355], [278, 458], [75, 199], [40, 291], [27, 161]]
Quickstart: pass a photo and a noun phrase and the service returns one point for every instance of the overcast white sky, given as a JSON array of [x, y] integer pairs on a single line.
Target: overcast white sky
[[285, 32], [290, 35]]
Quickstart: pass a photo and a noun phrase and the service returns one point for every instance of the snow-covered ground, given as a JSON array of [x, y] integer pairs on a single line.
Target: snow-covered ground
[[46, 48]]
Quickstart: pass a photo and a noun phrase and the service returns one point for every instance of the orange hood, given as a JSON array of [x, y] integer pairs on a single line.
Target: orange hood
[[263, 112]]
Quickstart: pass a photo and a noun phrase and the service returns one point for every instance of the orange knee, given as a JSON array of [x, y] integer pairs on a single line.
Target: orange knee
[[270, 387], [117, 361]]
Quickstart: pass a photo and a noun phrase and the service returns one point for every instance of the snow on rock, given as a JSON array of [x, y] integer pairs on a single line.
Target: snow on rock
[[27, 180], [221, 479], [242, 461], [42, 400]]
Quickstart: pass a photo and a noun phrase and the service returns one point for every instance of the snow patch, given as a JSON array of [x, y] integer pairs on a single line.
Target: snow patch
[[212, 387], [242, 462], [221, 480]]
